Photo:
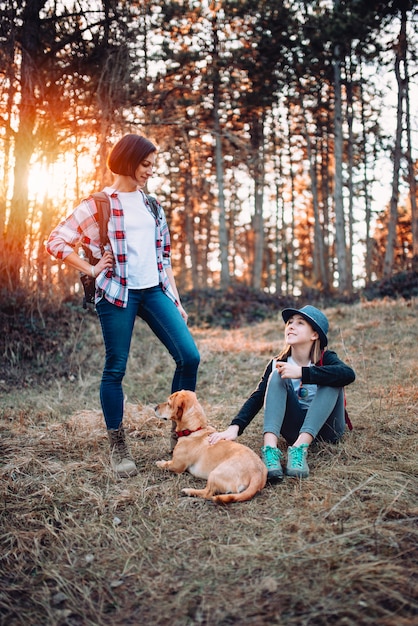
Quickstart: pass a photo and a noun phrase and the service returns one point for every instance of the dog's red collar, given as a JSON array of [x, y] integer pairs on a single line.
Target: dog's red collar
[[187, 432]]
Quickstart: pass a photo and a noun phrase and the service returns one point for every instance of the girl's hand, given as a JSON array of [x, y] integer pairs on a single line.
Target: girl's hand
[[287, 370], [229, 434]]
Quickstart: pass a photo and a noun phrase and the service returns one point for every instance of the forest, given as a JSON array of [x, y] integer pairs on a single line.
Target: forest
[[286, 165], [285, 130]]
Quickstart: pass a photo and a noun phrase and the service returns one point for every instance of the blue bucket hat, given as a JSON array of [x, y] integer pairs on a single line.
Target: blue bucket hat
[[314, 317]]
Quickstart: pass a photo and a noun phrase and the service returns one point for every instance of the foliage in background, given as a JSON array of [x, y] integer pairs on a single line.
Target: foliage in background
[[268, 116], [41, 339]]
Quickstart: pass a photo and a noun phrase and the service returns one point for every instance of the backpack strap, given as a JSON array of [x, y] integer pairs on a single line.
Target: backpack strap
[[102, 202], [153, 204], [103, 211]]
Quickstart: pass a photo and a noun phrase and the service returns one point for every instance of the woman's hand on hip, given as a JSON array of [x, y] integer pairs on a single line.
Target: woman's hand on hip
[[105, 263]]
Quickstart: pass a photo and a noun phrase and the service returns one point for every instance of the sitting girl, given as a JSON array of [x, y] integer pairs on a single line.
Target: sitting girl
[[303, 394]]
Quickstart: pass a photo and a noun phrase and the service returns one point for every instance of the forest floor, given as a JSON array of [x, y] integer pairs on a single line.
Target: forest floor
[[81, 548]]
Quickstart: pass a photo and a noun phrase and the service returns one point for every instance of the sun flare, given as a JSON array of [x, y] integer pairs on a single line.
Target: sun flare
[[58, 183]]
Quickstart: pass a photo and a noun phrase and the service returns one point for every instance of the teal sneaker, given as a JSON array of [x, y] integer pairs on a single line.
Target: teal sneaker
[[296, 461], [271, 458]]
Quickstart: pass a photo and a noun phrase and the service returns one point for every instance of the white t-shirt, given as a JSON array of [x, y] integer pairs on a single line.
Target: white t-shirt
[[304, 402], [140, 239]]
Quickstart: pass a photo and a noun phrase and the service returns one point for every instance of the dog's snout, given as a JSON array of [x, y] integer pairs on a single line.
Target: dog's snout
[[160, 411]]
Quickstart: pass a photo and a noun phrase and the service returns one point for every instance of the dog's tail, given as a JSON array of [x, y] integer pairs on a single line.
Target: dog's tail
[[256, 484]]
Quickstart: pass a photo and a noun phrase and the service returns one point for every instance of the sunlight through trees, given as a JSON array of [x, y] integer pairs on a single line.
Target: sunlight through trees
[[272, 125]]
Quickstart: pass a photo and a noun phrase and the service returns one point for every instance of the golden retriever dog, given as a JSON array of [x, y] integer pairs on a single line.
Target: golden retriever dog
[[233, 471]]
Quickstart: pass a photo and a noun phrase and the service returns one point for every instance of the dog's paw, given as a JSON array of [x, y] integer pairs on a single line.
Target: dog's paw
[[163, 464]]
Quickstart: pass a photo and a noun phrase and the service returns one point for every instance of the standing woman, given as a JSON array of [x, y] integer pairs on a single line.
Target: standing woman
[[134, 278]]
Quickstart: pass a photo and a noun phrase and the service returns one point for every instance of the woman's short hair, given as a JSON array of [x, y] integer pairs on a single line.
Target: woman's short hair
[[128, 153]]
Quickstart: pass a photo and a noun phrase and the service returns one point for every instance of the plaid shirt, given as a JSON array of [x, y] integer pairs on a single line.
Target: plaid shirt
[[82, 227]]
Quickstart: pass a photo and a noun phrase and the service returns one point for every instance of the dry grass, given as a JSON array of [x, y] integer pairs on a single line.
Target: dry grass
[[81, 548]]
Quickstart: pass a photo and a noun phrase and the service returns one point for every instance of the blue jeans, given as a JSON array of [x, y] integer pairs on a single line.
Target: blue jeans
[[165, 321], [283, 415]]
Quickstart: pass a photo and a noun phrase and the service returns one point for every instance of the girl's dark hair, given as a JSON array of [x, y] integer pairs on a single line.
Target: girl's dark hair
[[128, 153]]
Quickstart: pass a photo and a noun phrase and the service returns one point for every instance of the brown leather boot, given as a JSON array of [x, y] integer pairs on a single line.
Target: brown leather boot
[[120, 456]]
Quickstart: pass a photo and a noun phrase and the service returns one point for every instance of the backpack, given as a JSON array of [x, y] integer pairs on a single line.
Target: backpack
[[102, 202]]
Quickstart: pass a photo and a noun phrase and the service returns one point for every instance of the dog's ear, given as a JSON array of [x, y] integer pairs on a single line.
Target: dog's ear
[[180, 401], [177, 399]]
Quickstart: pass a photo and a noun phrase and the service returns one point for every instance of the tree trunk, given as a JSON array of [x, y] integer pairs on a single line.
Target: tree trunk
[[223, 232], [257, 142], [367, 199], [397, 154], [14, 243], [340, 238], [8, 133], [350, 169], [279, 227], [411, 171], [319, 269], [290, 254], [326, 150], [190, 244]]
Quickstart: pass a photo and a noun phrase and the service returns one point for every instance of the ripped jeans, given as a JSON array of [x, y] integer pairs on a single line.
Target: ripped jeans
[[165, 321], [283, 415]]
